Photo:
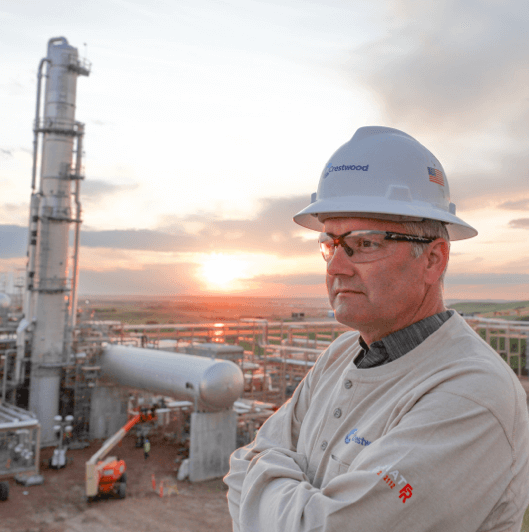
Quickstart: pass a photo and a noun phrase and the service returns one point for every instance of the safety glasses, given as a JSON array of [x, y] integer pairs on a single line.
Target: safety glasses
[[365, 246]]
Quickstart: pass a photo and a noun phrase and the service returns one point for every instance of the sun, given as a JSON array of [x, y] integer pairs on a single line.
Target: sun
[[221, 270]]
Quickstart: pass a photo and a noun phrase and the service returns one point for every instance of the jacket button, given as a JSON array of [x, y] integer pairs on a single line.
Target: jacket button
[[337, 413], [324, 446], [348, 384]]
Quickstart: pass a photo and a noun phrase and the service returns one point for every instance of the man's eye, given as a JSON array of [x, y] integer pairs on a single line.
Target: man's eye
[[368, 245]]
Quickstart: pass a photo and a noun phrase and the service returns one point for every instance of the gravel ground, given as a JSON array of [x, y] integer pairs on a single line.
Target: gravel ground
[[59, 505]]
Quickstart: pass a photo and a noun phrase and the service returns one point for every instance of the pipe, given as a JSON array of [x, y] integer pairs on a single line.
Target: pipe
[[37, 123], [35, 200], [19, 424], [4, 376], [16, 413], [22, 330], [501, 324], [275, 347], [77, 221], [16, 373]]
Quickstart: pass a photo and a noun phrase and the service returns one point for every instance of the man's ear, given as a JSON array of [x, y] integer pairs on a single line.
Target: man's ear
[[436, 254]]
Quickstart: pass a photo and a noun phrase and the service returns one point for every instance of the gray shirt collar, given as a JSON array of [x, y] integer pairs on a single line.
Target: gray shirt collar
[[399, 343]]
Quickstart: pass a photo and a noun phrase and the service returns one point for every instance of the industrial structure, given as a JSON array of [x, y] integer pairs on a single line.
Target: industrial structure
[[50, 367], [44, 337]]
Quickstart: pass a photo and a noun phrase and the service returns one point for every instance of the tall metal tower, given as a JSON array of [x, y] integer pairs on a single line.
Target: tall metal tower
[[50, 291]]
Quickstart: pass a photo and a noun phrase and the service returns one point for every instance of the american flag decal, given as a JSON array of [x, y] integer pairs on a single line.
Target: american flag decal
[[436, 176]]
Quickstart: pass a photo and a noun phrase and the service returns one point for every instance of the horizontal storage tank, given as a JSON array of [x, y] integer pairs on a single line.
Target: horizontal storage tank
[[214, 384]]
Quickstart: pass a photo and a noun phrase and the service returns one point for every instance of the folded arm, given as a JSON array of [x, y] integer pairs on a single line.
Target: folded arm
[[442, 468], [280, 431]]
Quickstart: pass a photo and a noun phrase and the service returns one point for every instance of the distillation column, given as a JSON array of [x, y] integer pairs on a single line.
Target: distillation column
[[48, 292]]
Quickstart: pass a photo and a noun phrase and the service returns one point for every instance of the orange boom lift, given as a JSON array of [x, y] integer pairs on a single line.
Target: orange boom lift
[[108, 476]]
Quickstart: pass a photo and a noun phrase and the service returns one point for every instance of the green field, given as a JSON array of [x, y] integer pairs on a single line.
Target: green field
[[483, 307]]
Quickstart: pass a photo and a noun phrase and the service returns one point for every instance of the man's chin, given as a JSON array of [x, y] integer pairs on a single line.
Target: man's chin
[[346, 317]]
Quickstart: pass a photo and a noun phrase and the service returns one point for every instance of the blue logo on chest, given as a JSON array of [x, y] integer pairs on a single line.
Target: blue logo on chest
[[351, 437]]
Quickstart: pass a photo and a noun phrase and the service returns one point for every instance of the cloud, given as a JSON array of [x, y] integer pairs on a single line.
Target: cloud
[[6, 153], [492, 188], [518, 265], [303, 279], [271, 230], [16, 207], [95, 190], [450, 64], [519, 223], [13, 241], [13, 214], [517, 205], [13, 87], [152, 279], [143, 239], [456, 72]]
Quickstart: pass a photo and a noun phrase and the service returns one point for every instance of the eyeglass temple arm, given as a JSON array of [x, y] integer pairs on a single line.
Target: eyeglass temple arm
[[408, 238]]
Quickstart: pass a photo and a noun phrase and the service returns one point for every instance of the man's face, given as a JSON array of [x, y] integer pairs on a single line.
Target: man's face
[[375, 297]]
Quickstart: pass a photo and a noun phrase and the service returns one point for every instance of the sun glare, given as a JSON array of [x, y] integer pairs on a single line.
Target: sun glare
[[221, 270]]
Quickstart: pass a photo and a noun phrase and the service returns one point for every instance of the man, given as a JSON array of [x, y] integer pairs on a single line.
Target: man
[[146, 448], [412, 423]]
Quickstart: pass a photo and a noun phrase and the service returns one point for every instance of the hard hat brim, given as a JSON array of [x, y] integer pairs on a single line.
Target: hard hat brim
[[384, 209]]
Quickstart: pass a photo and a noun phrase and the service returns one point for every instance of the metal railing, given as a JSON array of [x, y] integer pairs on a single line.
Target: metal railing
[[507, 338], [57, 126]]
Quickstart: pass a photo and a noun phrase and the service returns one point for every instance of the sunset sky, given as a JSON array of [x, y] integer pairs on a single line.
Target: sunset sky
[[208, 124]]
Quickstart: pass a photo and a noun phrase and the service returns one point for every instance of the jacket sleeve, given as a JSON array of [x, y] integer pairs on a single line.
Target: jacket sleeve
[[441, 468], [280, 431]]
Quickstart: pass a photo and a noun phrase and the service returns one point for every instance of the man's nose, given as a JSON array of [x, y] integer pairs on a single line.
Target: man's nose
[[340, 263]]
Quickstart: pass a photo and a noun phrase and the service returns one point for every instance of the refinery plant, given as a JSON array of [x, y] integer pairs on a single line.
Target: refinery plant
[[51, 367]]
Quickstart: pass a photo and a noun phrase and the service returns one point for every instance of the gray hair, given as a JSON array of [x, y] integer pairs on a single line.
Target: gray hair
[[430, 229]]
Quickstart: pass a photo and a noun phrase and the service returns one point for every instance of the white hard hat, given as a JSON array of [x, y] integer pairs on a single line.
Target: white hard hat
[[384, 173]]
